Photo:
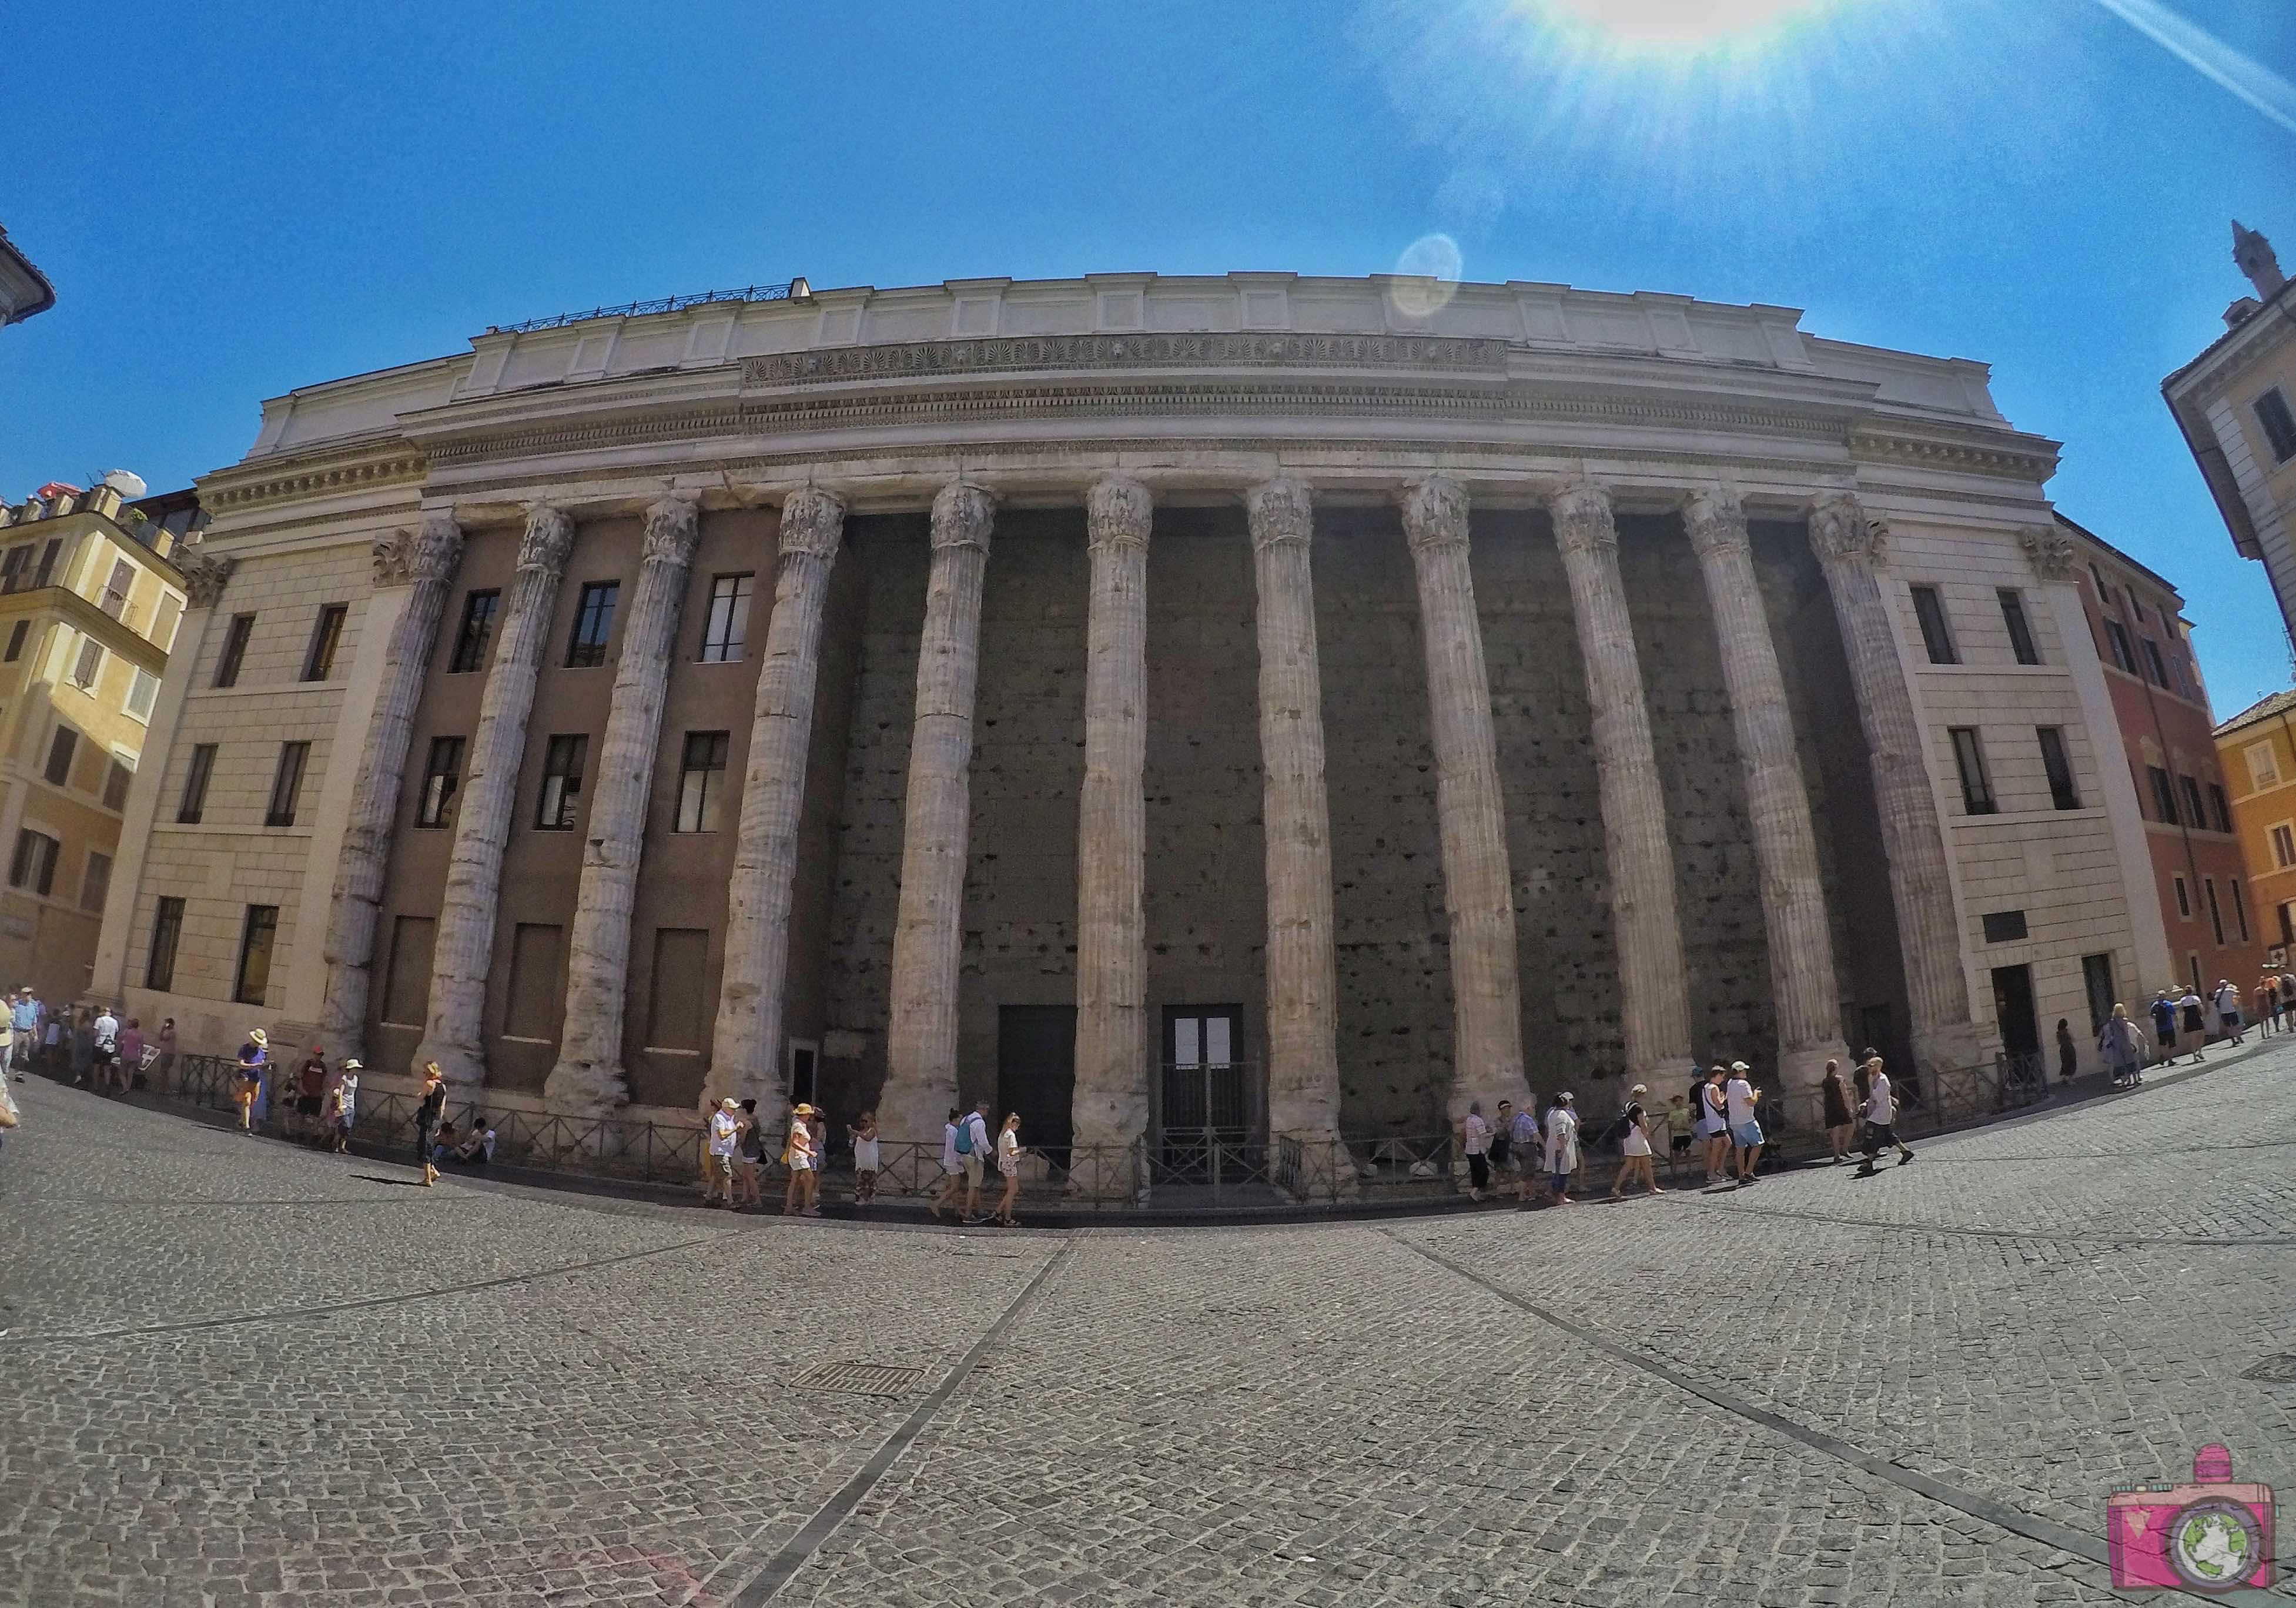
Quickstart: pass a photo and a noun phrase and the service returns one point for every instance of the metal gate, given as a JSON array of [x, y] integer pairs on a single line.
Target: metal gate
[[1206, 1105]]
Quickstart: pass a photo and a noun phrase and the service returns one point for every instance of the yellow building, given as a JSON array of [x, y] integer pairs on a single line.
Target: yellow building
[[2236, 405], [90, 597], [2256, 752]]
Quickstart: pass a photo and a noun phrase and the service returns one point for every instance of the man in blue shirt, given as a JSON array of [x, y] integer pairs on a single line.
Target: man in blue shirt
[[24, 1018]]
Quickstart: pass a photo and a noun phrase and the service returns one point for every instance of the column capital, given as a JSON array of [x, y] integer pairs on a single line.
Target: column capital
[[1715, 519], [1119, 511], [204, 578], [428, 553], [813, 522], [1843, 532], [1435, 514], [1582, 516], [1281, 511], [2050, 551], [549, 538], [962, 515], [673, 525]]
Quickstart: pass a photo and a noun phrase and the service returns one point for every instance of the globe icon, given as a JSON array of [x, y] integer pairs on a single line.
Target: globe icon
[[2214, 1543]]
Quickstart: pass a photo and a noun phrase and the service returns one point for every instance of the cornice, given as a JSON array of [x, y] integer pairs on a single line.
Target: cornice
[[1027, 354], [2036, 463], [362, 467]]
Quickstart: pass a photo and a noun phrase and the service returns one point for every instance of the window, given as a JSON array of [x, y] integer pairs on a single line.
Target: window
[[727, 631], [48, 561], [2263, 765], [2184, 900], [319, 663], [2287, 924], [234, 650], [2216, 915], [96, 881], [2279, 427], [593, 623], [2005, 926], [1929, 609], [442, 779], [2194, 815], [167, 931], [11, 566], [287, 784], [163, 623], [89, 664], [477, 632], [195, 785], [116, 778], [561, 782], [1976, 786], [2164, 793], [2116, 638], [61, 747], [2155, 670], [254, 977], [143, 692], [2096, 982], [2059, 766], [2239, 906], [2021, 630], [2219, 810], [2284, 845], [16, 635], [116, 589], [35, 865], [701, 782]]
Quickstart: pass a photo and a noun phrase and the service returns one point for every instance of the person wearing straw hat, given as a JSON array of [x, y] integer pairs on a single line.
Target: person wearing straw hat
[[1739, 1096], [717, 1160], [343, 1106], [249, 1086], [426, 1118], [1636, 1146], [803, 1199]]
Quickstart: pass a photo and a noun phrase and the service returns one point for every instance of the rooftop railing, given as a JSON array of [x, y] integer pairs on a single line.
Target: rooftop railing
[[787, 291]]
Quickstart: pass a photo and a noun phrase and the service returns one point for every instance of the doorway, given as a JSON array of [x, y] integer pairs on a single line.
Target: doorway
[[2097, 980], [1205, 1101], [1035, 1076], [2013, 1009]]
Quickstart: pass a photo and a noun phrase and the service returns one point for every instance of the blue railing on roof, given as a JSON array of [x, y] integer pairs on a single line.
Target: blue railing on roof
[[784, 292]]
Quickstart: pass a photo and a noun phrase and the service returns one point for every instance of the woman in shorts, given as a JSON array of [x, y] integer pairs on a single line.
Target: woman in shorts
[[864, 1134], [249, 1088], [1714, 1125], [803, 1199], [1841, 1127], [1008, 1165]]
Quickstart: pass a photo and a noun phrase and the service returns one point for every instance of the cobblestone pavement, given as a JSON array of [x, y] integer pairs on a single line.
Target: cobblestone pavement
[[239, 1373]]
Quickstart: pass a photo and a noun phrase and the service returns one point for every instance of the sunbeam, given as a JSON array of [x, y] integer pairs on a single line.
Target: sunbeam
[[2202, 50]]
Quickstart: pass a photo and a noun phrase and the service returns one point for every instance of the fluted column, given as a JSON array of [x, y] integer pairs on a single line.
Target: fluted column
[[745, 1058], [1111, 1107], [589, 1077], [1802, 985], [1478, 885], [1654, 994], [1303, 1061], [1852, 548], [921, 1049], [423, 561], [466, 915]]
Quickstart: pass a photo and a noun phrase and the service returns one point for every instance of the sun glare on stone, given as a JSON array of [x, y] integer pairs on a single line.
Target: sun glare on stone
[[1676, 22]]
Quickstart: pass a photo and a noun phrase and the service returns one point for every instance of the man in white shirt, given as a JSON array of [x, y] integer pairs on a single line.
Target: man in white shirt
[[1738, 1098], [106, 1035], [2227, 1002], [1881, 1119], [1476, 1134], [720, 1164], [952, 1172]]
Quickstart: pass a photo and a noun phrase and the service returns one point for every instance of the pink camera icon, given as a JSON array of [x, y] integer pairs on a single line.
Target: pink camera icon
[[2213, 1535]]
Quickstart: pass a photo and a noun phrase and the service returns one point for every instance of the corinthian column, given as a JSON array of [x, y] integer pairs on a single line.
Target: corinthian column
[[1303, 1060], [1785, 845], [1851, 548], [1478, 887], [423, 561], [589, 1078], [745, 1056], [921, 1050], [1111, 1107], [466, 915], [1654, 995]]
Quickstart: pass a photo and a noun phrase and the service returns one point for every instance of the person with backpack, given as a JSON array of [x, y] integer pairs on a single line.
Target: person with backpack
[[1561, 1146], [972, 1152], [2163, 1012], [2195, 1022], [2123, 1049], [952, 1165], [1636, 1146], [1524, 1144], [1739, 1096], [1881, 1120], [2227, 1004], [1714, 1123]]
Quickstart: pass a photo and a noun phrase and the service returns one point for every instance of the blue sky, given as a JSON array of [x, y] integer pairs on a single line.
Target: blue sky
[[233, 205]]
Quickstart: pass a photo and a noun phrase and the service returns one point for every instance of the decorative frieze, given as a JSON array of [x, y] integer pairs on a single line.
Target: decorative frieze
[[1055, 353]]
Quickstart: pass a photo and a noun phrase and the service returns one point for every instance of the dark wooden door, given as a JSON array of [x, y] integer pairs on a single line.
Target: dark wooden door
[[1035, 1076]]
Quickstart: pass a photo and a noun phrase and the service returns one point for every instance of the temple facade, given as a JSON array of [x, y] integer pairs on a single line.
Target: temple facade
[[1165, 707]]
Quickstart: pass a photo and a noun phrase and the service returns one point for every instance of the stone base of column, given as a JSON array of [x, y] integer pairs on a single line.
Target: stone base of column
[[587, 1088], [1948, 1048], [1800, 1070]]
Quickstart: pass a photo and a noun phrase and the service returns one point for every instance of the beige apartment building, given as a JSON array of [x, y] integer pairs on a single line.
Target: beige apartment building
[[90, 601]]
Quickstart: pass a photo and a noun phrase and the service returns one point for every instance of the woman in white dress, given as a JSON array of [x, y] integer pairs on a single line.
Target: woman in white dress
[[1561, 1146], [1636, 1146], [1008, 1164]]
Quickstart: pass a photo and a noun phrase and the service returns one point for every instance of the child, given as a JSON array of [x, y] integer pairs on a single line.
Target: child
[[1677, 1127], [864, 1134]]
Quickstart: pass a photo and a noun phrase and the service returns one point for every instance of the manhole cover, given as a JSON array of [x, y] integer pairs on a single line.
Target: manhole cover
[[2274, 1370], [862, 1379]]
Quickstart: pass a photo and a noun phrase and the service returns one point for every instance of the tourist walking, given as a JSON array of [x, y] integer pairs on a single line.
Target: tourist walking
[[249, 1086], [2068, 1056], [80, 1044], [1834, 1095], [163, 1070], [717, 1152], [2194, 1018], [1679, 1119], [1636, 1146], [1739, 1096], [1562, 1145], [2227, 1002], [2264, 1006], [1881, 1119], [863, 1135], [310, 1093], [2163, 1012], [24, 1017], [2122, 1046], [1714, 1123], [748, 1157], [55, 1042], [430, 1111], [973, 1151], [131, 1051], [1476, 1134], [805, 1159], [1501, 1139], [1525, 1144], [103, 1043], [952, 1163], [1008, 1166], [343, 1106]]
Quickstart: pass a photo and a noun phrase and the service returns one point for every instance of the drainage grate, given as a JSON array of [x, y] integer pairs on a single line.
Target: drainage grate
[[2274, 1370], [862, 1379]]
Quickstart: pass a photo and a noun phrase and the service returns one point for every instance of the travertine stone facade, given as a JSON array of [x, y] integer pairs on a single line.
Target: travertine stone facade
[[466, 920], [589, 1078]]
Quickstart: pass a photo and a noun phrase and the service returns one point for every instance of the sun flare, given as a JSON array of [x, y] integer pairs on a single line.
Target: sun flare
[[1676, 22]]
